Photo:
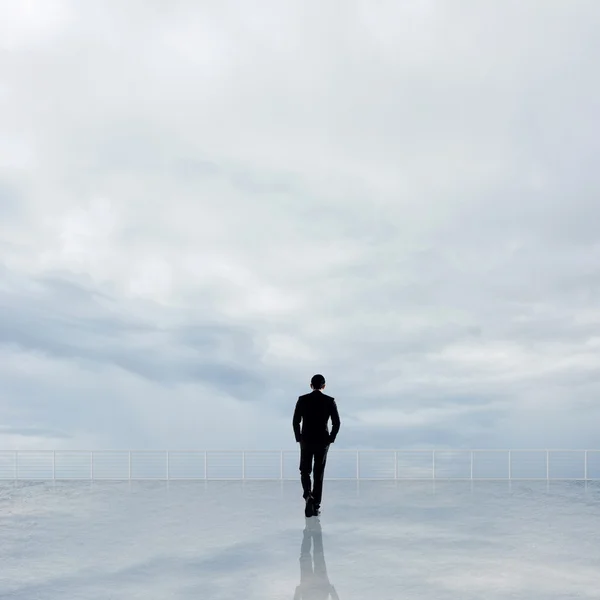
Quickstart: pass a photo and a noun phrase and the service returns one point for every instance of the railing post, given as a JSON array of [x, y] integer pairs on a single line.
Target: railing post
[[168, 466], [129, 475], [281, 465], [395, 464], [357, 467], [509, 466], [471, 464], [433, 473], [547, 465], [205, 466], [585, 466]]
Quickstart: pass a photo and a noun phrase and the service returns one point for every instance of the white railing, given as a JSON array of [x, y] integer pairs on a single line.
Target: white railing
[[573, 465]]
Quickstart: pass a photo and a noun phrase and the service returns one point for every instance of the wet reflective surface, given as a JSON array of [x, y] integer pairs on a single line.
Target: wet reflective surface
[[234, 540]]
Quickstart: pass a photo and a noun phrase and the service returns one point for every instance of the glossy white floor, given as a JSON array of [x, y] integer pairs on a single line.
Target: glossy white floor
[[244, 540]]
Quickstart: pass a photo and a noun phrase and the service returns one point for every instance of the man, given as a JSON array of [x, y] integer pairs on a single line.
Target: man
[[314, 410]]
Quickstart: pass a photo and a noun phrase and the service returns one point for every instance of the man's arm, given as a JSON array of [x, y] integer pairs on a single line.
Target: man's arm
[[296, 420], [335, 422]]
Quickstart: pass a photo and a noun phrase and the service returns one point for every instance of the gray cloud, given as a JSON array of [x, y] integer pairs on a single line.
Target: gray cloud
[[66, 320], [34, 432], [9, 200]]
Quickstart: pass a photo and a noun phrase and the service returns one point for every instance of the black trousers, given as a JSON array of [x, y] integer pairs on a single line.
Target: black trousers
[[309, 452]]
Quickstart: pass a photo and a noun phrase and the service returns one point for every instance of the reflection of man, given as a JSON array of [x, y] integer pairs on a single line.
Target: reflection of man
[[314, 583]]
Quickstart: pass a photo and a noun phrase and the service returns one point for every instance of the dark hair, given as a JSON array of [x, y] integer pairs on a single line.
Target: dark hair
[[318, 381]]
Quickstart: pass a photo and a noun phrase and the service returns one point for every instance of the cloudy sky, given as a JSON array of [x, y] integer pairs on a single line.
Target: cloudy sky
[[202, 204]]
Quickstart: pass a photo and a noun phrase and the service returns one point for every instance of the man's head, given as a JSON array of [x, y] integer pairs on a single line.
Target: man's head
[[317, 382]]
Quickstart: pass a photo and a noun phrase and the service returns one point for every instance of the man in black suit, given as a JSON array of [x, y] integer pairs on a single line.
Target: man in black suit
[[314, 410]]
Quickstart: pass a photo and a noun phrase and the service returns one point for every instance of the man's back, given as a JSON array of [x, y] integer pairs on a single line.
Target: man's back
[[315, 409]]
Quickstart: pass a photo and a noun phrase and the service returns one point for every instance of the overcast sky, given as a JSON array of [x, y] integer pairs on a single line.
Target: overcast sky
[[202, 204]]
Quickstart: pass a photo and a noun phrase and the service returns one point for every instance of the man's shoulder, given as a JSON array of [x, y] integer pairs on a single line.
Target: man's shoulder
[[325, 396]]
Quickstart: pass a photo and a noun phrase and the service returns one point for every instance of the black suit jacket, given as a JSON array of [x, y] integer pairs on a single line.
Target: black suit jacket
[[315, 410]]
